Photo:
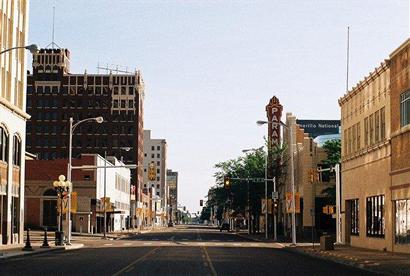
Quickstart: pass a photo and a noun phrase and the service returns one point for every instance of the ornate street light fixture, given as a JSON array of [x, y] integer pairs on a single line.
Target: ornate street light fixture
[[62, 187]]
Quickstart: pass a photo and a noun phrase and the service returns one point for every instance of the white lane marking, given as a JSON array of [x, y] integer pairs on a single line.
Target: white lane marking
[[127, 243], [201, 243], [147, 243], [236, 244], [107, 244], [165, 243]]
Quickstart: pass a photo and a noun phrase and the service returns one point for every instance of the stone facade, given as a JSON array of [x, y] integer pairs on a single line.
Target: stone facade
[[13, 33]]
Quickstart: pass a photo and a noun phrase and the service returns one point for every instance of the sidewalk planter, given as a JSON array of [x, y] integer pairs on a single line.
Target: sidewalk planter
[[326, 243]]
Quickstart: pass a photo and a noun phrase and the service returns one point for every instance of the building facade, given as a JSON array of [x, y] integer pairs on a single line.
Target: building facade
[[155, 154], [400, 145], [13, 117], [88, 202], [54, 94], [366, 162], [172, 183], [310, 185]]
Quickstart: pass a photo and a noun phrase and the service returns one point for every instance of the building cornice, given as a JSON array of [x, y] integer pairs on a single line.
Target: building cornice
[[400, 48], [14, 109], [384, 66]]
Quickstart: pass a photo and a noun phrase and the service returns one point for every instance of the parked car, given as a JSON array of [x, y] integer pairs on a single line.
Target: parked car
[[224, 226]]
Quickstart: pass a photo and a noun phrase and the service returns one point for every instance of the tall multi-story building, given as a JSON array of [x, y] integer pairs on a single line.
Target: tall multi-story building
[[13, 117], [172, 183], [54, 94], [155, 154], [367, 208]]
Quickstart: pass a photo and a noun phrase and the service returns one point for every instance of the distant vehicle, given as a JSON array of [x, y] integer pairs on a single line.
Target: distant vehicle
[[170, 224], [224, 226]]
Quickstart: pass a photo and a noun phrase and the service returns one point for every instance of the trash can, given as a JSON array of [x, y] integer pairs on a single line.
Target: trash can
[[59, 238], [326, 243]]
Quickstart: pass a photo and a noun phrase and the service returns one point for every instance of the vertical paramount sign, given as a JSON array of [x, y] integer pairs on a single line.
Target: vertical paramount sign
[[274, 114]]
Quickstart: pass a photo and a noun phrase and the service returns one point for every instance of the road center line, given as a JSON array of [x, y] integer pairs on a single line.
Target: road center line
[[211, 266], [140, 259]]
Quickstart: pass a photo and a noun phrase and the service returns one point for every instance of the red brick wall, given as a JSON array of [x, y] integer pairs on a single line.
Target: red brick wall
[[32, 211], [399, 83]]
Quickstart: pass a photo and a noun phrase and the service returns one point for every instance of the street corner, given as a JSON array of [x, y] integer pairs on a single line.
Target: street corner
[[74, 246]]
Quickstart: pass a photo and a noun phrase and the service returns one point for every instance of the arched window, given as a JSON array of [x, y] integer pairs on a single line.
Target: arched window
[[16, 151], [50, 192], [4, 144]]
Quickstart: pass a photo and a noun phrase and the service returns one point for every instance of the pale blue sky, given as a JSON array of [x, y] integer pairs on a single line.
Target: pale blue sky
[[210, 67]]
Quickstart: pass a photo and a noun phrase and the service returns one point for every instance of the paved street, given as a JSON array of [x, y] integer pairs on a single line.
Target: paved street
[[182, 250]]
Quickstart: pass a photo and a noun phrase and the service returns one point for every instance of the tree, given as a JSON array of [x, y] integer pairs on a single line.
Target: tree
[[333, 151]]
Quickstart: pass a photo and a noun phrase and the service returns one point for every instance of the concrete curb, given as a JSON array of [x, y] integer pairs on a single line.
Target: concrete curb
[[42, 251], [334, 259], [259, 240]]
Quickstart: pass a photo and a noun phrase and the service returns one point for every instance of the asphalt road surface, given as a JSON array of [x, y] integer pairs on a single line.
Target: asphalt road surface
[[190, 250]]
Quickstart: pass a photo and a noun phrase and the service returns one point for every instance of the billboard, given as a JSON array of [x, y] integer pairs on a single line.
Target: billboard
[[319, 127]]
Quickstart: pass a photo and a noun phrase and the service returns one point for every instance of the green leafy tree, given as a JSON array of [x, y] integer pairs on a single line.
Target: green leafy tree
[[333, 151]]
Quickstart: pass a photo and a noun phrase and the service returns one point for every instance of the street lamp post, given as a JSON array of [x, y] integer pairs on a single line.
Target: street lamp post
[[72, 128], [33, 48], [61, 186], [292, 176]]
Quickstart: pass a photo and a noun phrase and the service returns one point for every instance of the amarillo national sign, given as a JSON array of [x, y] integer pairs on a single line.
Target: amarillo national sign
[[319, 127]]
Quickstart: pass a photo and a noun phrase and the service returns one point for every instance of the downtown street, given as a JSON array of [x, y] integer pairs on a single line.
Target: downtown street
[[181, 250]]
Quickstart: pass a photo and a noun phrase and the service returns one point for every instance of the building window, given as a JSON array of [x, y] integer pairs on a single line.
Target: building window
[[152, 147], [405, 108], [158, 147], [375, 216], [152, 155], [16, 151], [366, 131], [371, 130], [158, 155], [358, 135], [382, 124], [377, 126], [354, 216], [4, 145], [158, 179], [353, 138], [402, 231], [158, 163], [157, 170]]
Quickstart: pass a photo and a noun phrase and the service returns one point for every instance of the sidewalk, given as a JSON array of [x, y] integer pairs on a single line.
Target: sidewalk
[[15, 251], [375, 261]]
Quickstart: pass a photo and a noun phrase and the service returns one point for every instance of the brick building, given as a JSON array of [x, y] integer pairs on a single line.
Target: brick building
[[400, 144], [88, 215], [376, 157], [54, 94]]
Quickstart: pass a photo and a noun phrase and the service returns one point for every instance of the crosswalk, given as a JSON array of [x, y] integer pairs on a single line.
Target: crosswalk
[[186, 242]]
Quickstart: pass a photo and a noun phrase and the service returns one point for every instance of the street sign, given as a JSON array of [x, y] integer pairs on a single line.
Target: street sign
[[275, 195]]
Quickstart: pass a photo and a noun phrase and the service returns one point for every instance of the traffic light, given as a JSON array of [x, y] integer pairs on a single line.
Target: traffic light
[[275, 206], [227, 182]]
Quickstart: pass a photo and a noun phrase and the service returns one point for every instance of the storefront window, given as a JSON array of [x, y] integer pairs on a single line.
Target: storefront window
[[375, 216], [402, 221], [354, 216]]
